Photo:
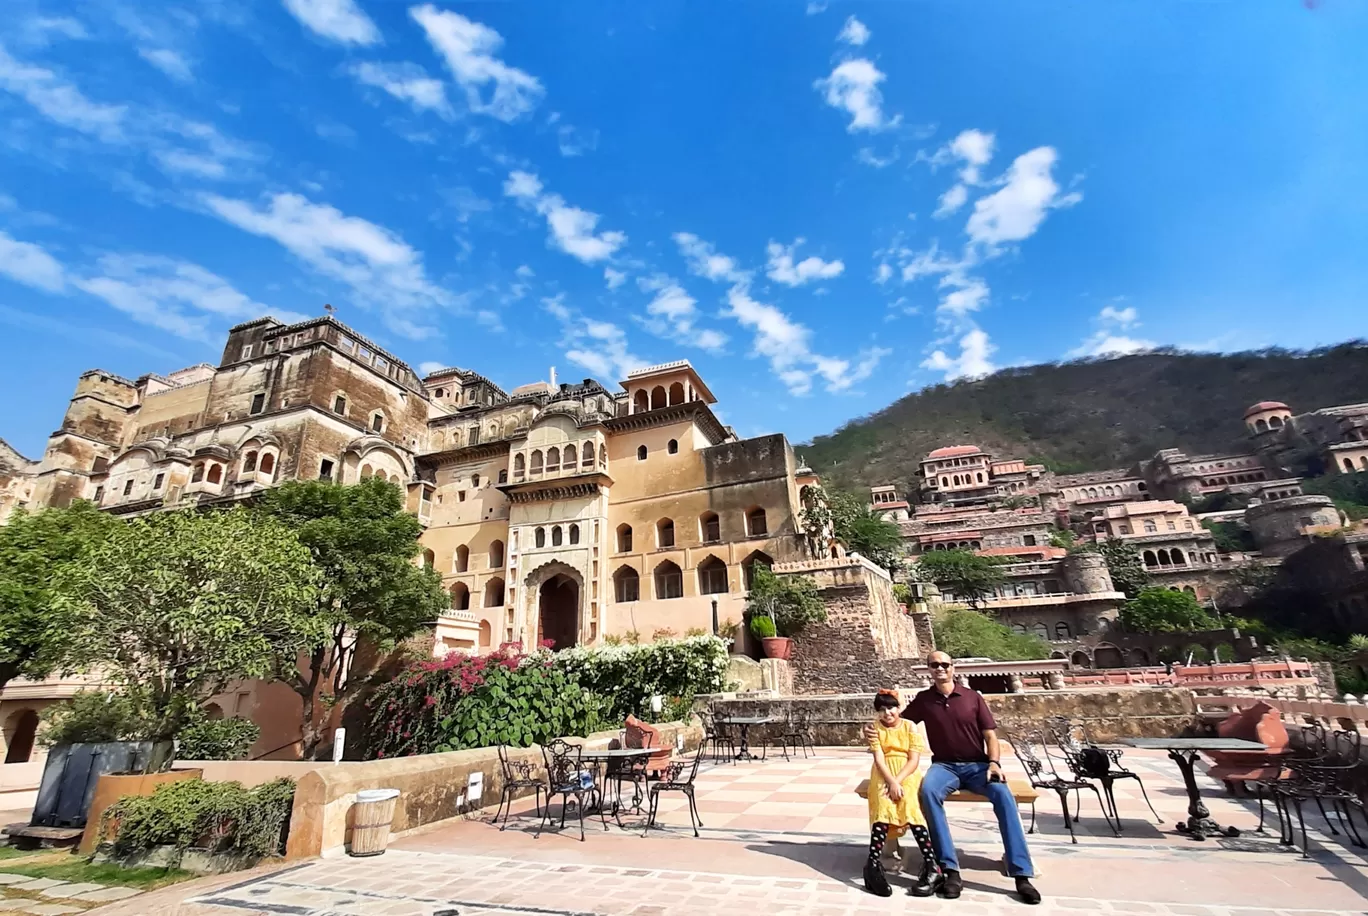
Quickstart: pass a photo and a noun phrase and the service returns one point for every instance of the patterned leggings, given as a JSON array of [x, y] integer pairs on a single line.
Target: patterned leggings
[[878, 836]]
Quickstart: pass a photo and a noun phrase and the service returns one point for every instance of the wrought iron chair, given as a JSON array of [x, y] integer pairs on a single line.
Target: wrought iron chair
[[634, 771], [1081, 754], [679, 776], [517, 774], [567, 777], [717, 735], [796, 733], [1033, 752], [1332, 771]]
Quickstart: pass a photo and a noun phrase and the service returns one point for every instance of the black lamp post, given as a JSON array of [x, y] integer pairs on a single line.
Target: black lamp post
[[714, 609]]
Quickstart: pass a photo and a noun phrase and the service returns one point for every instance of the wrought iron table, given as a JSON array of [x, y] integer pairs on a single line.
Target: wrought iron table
[[1184, 751], [744, 723], [606, 757]]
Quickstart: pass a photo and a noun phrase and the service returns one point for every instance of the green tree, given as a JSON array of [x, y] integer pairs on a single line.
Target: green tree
[[1230, 537], [34, 636], [1162, 610], [970, 634], [372, 595], [1124, 564], [791, 602], [854, 524], [965, 575], [175, 606]]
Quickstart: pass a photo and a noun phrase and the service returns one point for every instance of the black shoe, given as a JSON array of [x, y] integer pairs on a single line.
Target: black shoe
[[875, 880], [951, 885], [927, 882], [1027, 892]]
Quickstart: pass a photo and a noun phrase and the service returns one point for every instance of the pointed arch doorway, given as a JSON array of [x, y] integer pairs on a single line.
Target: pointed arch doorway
[[558, 602]]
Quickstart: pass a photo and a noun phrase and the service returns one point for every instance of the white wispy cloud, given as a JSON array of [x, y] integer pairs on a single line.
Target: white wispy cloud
[[60, 100], [31, 265], [175, 296], [572, 230], [469, 49], [406, 82], [854, 32], [672, 313], [599, 346], [427, 367], [783, 268], [170, 62], [973, 149], [380, 267], [574, 141], [39, 31], [816, 6], [974, 359], [705, 262], [853, 85], [342, 21], [614, 278], [1109, 337], [1015, 211]]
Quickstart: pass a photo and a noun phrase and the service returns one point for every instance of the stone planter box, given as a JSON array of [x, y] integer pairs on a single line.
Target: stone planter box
[[197, 860]]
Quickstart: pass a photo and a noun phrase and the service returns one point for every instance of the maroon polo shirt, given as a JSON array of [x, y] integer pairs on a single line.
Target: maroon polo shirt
[[954, 724]]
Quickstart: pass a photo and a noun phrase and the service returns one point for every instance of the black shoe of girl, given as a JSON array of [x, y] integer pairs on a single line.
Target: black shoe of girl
[[951, 886], [928, 882], [875, 880]]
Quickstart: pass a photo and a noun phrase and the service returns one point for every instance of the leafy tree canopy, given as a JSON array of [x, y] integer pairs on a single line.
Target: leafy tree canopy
[[962, 573], [970, 634], [176, 605], [855, 525], [1230, 537], [372, 594], [791, 602], [34, 636], [1162, 610], [1127, 569]]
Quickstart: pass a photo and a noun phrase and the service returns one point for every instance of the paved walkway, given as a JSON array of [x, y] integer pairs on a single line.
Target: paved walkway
[[48, 897], [788, 837]]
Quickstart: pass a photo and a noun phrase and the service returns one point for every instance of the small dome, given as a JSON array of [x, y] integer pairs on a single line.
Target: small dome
[[954, 451], [1267, 405]]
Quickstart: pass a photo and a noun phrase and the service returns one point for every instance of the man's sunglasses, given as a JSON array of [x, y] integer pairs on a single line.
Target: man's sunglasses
[[940, 664]]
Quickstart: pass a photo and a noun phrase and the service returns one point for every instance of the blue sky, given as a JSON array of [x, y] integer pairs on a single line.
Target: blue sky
[[822, 206]]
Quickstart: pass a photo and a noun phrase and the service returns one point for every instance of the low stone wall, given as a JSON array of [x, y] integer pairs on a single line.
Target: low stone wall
[[1109, 713], [747, 674], [431, 786]]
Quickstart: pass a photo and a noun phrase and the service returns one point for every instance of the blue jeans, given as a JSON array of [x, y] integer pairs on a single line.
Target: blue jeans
[[944, 778]]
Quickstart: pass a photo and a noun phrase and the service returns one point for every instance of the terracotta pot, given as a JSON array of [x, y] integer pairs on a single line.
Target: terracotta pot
[[777, 646], [112, 787]]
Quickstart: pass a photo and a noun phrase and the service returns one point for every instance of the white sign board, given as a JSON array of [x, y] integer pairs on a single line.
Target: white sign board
[[339, 738], [474, 788]]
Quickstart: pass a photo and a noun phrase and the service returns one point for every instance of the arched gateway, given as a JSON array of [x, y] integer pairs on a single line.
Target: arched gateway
[[557, 588]]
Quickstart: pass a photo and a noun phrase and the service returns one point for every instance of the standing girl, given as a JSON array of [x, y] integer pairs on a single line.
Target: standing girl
[[893, 806]]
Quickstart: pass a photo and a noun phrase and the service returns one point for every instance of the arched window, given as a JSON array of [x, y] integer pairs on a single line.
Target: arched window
[[1150, 526], [1062, 631], [460, 597], [1348, 465], [588, 459], [267, 465], [377, 422], [1190, 590], [1150, 558], [574, 534], [710, 528], [428, 559], [519, 466], [669, 581], [494, 593], [540, 538], [603, 456], [197, 473], [215, 473], [1164, 559], [980, 477], [475, 481], [640, 401], [657, 397], [641, 453], [626, 585], [340, 405], [677, 393], [557, 536], [486, 634], [536, 461], [756, 558], [665, 533], [756, 525], [249, 463], [571, 458], [712, 577], [503, 475], [1019, 629], [367, 472], [1041, 630], [1261, 425], [552, 459], [462, 558], [1124, 529], [672, 446], [624, 538], [1275, 422]]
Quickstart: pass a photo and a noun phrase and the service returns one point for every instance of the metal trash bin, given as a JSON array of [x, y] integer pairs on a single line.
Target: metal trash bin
[[371, 818]]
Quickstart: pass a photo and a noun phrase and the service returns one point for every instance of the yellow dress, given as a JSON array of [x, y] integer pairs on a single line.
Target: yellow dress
[[897, 742]]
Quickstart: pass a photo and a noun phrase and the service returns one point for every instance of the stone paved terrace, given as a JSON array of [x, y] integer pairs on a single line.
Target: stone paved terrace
[[789, 837]]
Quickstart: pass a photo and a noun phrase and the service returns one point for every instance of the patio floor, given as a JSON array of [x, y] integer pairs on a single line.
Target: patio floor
[[789, 837]]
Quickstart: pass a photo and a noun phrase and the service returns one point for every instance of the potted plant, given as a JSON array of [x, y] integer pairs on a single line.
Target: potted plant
[[782, 606]]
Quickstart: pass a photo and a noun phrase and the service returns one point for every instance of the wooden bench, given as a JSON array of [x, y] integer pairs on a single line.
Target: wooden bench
[[1021, 791]]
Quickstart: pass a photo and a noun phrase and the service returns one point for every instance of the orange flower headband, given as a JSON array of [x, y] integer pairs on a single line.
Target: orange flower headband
[[888, 693]]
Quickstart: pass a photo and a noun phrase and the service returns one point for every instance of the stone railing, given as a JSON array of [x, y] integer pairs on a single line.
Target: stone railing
[[1348, 713], [1263, 675]]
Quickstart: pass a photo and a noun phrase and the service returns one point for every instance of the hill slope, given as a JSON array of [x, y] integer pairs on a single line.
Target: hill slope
[[1091, 414]]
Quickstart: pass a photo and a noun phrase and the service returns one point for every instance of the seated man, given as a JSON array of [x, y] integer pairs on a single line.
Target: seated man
[[964, 754]]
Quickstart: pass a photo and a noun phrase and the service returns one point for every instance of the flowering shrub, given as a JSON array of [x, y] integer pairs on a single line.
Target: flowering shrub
[[626, 677], [463, 701]]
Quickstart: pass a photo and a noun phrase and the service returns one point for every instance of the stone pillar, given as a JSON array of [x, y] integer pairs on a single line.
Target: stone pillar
[[1016, 685], [1055, 681]]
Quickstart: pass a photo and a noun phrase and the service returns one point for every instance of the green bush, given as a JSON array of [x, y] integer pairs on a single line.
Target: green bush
[[462, 702], [791, 602], [626, 677], [218, 739], [970, 634], [762, 627], [214, 815], [92, 717]]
